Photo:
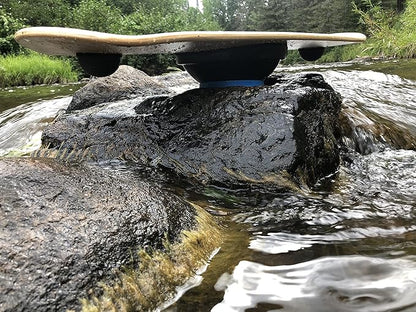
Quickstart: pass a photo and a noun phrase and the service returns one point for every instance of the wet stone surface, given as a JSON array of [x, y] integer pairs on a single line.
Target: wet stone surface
[[126, 82], [64, 228], [227, 136]]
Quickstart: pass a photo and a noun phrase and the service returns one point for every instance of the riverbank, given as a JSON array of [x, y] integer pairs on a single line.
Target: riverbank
[[390, 35], [34, 69]]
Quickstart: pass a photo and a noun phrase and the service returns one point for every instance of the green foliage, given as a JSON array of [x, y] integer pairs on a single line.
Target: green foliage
[[154, 21], [376, 20], [126, 6], [293, 57], [41, 12], [230, 14], [154, 64], [163, 7], [8, 26], [406, 39], [34, 69], [97, 15], [166, 18], [391, 35], [342, 53], [283, 15]]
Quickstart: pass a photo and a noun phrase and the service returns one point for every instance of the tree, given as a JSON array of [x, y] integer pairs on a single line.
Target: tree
[[230, 14], [162, 7], [272, 15], [8, 26], [304, 15], [40, 12], [400, 5], [172, 15], [283, 15], [97, 15]]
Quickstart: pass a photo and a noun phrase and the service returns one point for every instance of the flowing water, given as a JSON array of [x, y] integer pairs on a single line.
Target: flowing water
[[347, 245], [25, 111]]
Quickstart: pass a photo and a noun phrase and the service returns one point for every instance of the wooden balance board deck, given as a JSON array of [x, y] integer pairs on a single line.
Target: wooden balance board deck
[[68, 41], [207, 55]]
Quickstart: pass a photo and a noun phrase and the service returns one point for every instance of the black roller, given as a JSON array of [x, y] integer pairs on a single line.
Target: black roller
[[99, 64], [245, 66], [311, 54]]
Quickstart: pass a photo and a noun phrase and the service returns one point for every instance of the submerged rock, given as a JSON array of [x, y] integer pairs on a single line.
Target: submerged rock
[[64, 228], [126, 82], [227, 136]]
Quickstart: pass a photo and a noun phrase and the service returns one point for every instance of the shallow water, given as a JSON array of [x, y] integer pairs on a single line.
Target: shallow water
[[25, 111], [14, 96], [347, 245]]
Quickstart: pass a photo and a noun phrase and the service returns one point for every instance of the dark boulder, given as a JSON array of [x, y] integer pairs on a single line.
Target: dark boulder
[[64, 228], [126, 82], [227, 136]]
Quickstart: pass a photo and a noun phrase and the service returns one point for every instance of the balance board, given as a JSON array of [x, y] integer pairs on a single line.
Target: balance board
[[214, 58]]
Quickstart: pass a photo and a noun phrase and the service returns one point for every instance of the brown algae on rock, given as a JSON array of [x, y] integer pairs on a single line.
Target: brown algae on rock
[[160, 272]]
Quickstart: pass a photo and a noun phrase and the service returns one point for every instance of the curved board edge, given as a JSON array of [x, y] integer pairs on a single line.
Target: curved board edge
[[70, 41]]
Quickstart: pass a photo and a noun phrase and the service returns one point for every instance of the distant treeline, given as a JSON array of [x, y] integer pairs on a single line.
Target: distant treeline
[[292, 15]]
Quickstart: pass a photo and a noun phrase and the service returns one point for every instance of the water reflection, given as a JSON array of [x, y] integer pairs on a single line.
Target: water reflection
[[349, 283], [277, 243]]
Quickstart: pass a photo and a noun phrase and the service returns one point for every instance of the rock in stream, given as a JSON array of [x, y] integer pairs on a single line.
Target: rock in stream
[[66, 224], [223, 136], [64, 228], [126, 82]]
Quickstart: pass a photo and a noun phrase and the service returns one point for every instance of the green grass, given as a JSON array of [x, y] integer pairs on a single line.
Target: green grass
[[390, 35], [33, 69]]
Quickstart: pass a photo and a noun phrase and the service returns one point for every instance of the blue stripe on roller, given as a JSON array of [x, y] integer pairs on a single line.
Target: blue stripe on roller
[[232, 83]]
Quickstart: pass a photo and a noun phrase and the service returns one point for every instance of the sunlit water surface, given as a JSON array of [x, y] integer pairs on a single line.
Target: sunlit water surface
[[347, 245]]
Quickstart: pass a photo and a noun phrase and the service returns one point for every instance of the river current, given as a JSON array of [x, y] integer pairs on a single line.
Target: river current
[[349, 244]]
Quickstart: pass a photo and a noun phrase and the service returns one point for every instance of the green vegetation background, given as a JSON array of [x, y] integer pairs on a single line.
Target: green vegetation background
[[390, 27]]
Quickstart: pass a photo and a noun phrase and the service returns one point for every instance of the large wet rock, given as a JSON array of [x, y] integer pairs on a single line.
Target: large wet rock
[[226, 136], [126, 82], [63, 228]]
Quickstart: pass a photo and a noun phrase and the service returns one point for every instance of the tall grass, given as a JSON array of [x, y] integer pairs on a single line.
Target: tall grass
[[389, 35], [25, 70]]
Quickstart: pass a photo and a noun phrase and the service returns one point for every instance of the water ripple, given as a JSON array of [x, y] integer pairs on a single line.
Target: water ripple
[[349, 283], [277, 243]]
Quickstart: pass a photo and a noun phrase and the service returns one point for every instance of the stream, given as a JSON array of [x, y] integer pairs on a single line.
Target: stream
[[349, 244]]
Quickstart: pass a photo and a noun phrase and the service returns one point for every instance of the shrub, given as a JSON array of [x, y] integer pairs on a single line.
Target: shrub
[[8, 26], [97, 15], [391, 35], [155, 20]]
